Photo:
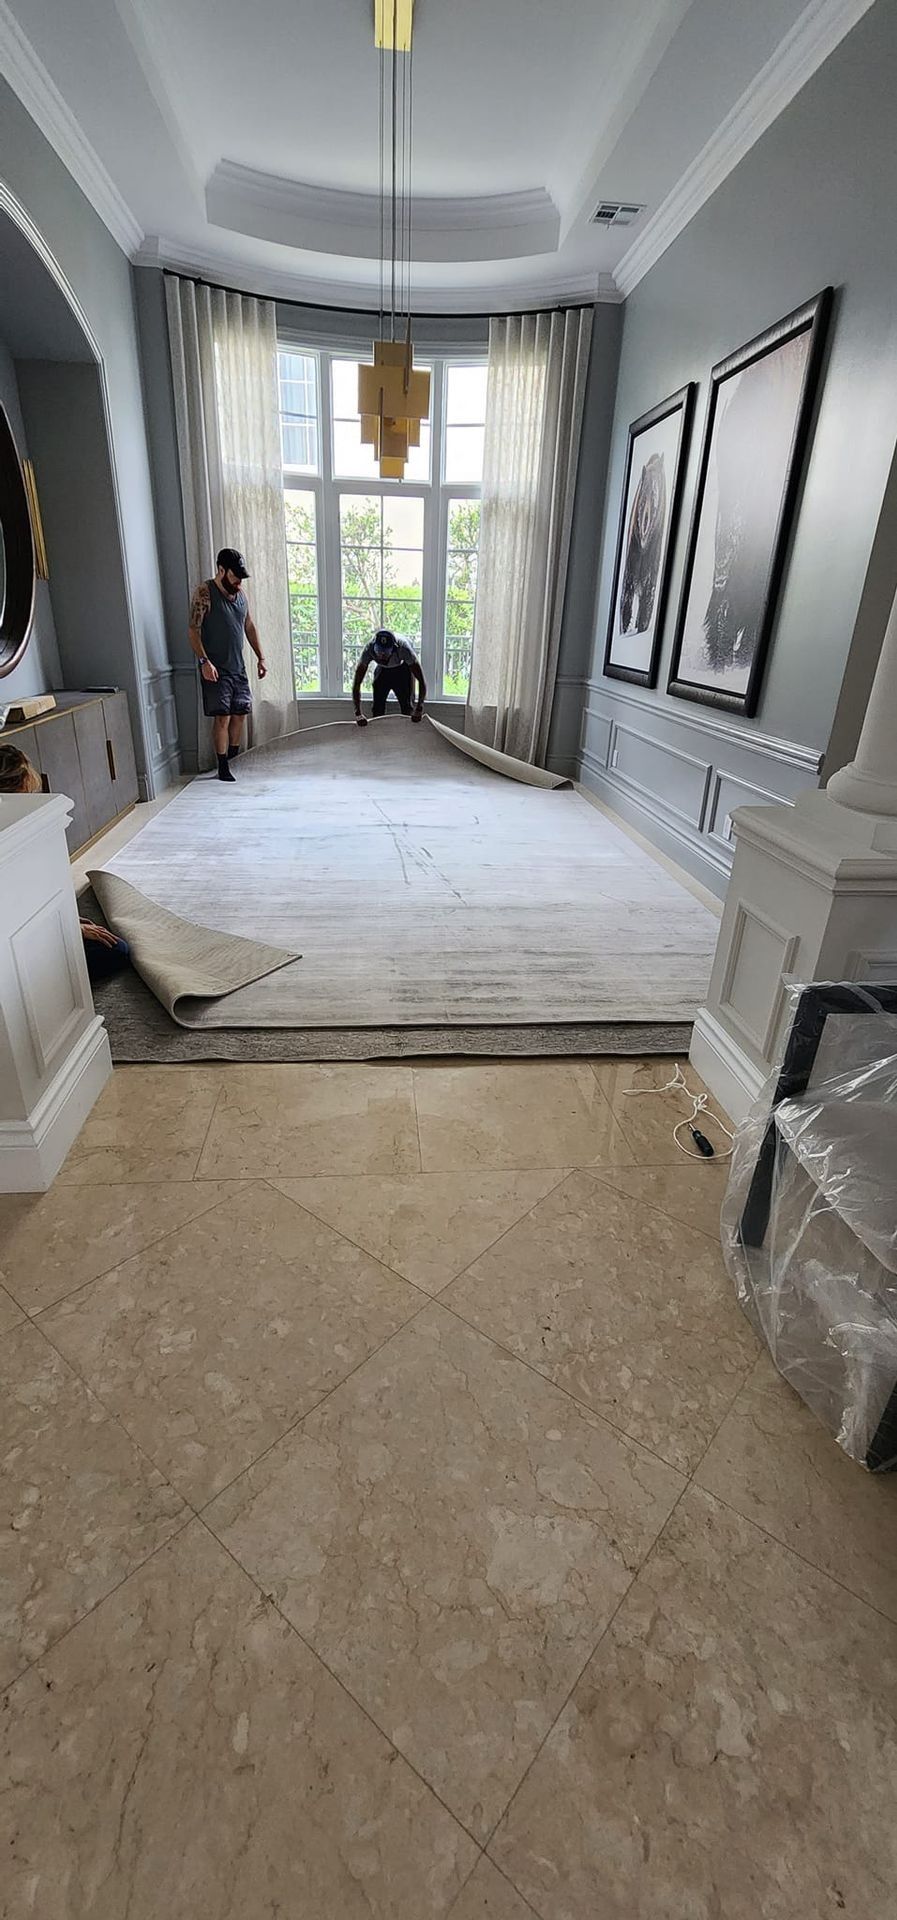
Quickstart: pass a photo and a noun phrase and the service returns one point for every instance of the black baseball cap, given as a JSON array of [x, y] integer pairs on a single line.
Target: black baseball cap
[[233, 562]]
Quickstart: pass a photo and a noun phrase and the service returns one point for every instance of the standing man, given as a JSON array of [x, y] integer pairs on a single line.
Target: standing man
[[220, 620], [396, 666]]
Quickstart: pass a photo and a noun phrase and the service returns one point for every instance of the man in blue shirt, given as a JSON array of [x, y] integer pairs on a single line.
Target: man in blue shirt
[[396, 669]]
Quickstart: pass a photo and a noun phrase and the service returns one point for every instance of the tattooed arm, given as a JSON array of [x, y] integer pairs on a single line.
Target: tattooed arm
[[199, 607]]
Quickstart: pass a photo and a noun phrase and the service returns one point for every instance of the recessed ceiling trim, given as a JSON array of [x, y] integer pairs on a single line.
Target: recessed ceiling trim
[[267, 206], [816, 33], [275, 284], [40, 97]]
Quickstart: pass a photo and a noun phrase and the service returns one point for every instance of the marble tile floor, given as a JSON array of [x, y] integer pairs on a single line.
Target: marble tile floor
[[401, 1521]]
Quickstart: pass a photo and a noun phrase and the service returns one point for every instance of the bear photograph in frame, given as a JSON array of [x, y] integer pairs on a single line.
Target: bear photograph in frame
[[652, 485], [759, 414]]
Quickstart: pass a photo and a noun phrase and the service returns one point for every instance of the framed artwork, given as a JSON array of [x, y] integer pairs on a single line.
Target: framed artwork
[[755, 438], [648, 510]]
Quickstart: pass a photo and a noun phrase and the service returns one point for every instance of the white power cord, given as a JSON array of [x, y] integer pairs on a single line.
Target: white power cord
[[699, 1104]]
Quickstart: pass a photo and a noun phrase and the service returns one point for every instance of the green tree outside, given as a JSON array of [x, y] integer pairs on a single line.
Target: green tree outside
[[371, 594]]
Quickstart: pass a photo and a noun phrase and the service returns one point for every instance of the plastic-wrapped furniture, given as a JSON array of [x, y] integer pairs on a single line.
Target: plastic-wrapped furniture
[[810, 1215]]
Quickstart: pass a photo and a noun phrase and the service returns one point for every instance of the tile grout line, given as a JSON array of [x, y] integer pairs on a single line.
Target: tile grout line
[[205, 1137], [420, 1144], [687, 1226], [361, 1248], [690, 1486], [138, 1252], [53, 1645], [582, 1405], [569, 1695], [320, 1661]]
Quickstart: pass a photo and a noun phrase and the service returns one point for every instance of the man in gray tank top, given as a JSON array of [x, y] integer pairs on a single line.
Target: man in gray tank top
[[220, 621]]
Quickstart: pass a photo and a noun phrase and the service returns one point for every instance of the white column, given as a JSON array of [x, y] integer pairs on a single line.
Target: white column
[[54, 1052], [869, 783]]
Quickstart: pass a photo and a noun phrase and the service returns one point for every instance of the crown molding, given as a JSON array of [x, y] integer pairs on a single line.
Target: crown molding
[[318, 219], [277, 284], [816, 33], [41, 97]]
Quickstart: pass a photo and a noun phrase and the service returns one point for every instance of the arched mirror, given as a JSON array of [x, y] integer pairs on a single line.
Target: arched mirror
[[16, 554]]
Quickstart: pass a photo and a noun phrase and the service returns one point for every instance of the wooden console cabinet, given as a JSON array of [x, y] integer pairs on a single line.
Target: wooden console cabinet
[[83, 749]]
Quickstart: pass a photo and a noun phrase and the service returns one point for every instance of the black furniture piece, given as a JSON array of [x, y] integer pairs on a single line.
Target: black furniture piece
[[816, 1005]]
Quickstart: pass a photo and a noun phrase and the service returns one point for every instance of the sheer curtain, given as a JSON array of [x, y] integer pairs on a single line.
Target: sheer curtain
[[224, 371], [534, 407]]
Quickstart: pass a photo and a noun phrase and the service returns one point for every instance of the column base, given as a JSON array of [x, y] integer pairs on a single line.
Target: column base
[[862, 794], [32, 1151], [733, 1079]]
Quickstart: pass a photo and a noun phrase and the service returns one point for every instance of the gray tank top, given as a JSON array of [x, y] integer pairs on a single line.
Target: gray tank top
[[223, 629]]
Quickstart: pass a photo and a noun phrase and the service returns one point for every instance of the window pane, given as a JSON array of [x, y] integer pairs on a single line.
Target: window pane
[[344, 379], [362, 572], [298, 373], [465, 397], [302, 573], [464, 523], [403, 614], [464, 454], [459, 617], [361, 519], [299, 442], [456, 670], [352, 458], [460, 596], [403, 521], [461, 575]]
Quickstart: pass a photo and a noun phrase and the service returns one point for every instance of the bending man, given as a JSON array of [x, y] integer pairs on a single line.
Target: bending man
[[220, 621], [396, 668]]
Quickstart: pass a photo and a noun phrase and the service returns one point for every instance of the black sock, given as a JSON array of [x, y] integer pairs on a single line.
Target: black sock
[[224, 772], [232, 752]]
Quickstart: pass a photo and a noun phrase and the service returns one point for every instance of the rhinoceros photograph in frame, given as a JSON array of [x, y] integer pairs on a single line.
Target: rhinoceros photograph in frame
[[759, 414], [652, 484]]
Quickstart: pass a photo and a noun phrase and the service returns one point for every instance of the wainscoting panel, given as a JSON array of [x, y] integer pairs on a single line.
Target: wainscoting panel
[[597, 729], [679, 777], [162, 727], [650, 767]]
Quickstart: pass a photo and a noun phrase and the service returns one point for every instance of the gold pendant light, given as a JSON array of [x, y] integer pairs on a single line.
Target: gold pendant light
[[394, 395]]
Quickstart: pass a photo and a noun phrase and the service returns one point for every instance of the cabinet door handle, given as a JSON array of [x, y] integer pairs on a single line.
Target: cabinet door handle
[[111, 759]]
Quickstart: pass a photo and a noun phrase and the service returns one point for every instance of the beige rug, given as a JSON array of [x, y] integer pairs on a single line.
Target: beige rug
[[422, 889]]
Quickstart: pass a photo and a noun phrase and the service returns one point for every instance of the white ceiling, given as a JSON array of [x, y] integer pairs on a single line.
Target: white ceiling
[[552, 104]]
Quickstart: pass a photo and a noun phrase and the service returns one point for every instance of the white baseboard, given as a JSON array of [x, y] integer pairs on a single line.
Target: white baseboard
[[734, 1080], [32, 1151]]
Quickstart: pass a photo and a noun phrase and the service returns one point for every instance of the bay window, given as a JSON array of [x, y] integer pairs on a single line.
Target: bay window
[[365, 553]]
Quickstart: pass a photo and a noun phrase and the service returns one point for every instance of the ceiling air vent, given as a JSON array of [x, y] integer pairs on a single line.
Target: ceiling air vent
[[616, 213]]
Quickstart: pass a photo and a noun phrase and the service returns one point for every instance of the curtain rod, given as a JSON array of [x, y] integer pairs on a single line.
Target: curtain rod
[[365, 313]]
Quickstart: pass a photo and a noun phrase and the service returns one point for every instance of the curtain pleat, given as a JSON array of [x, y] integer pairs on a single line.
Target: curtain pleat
[[534, 407], [224, 373]]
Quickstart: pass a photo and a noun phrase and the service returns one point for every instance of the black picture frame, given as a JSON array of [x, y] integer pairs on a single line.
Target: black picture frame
[[779, 464], [681, 403]]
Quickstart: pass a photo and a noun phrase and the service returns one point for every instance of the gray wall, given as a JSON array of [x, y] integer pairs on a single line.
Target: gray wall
[[63, 413], [40, 669], [99, 275], [813, 204]]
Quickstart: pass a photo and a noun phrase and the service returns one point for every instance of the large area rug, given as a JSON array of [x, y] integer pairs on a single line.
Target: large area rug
[[426, 893]]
